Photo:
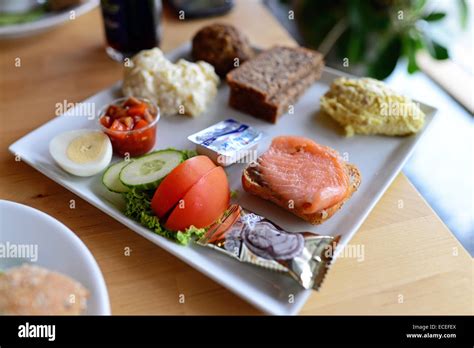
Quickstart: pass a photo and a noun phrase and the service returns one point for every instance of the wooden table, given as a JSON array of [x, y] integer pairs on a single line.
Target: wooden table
[[412, 263]]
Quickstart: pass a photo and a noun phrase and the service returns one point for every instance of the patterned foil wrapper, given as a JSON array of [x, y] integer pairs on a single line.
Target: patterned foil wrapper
[[254, 239]]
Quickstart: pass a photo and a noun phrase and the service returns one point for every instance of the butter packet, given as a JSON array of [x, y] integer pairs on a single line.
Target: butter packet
[[254, 239], [227, 142]]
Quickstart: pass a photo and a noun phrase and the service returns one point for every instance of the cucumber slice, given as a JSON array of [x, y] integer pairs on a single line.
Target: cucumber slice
[[146, 172], [111, 179]]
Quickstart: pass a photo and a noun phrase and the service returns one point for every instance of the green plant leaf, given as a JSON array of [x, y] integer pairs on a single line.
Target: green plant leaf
[[434, 16], [463, 13], [316, 19], [355, 46], [417, 37], [351, 43], [386, 59], [410, 47], [354, 13], [436, 50], [418, 4]]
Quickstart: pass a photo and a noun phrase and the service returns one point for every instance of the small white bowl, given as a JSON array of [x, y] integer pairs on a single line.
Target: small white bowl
[[58, 249]]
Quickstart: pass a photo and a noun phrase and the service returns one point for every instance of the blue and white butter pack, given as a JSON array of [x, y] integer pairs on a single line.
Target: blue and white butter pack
[[227, 142]]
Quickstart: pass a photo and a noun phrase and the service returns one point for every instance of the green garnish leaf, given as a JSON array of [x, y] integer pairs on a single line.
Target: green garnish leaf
[[138, 208], [189, 153]]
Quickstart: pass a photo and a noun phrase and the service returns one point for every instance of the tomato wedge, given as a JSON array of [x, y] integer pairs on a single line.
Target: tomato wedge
[[178, 182], [203, 204]]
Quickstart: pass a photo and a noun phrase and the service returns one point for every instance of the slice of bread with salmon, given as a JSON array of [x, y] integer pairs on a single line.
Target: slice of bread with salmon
[[303, 177]]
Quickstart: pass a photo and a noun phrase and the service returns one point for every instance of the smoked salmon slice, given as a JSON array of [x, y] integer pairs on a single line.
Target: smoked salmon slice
[[309, 176]]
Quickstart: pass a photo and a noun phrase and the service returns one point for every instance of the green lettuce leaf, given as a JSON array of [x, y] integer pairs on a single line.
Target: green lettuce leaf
[[138, 208], [189, 153]]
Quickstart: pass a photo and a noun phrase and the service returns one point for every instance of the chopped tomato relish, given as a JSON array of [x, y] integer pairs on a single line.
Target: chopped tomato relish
[[131, 126]]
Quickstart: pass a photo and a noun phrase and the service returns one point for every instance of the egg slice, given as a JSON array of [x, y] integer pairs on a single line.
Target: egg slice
[[82, 152]]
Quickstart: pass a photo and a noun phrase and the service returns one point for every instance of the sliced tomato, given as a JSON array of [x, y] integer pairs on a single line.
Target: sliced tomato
[[178, 182], [127, 122], [120, 112], [119, 127], [132, 101], [137, 110], [203, 204], [106, 121], [141, 124], [111, 110]]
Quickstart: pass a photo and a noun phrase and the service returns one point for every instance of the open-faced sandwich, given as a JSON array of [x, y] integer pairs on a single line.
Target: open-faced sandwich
[[305, 178]]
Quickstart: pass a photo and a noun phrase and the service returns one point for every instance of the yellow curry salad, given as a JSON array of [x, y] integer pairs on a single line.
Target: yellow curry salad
[[369, 106]]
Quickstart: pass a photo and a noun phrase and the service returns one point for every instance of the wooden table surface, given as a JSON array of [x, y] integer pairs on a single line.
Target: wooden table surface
[[412, 263]]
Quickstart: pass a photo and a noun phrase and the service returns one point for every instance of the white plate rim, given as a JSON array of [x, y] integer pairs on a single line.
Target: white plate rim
[[47, 22]]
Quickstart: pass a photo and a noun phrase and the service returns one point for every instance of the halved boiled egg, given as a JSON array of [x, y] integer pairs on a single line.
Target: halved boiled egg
[[82, 152]]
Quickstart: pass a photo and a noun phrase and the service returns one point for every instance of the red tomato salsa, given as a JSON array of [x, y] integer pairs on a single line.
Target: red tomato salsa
[[131, 125]]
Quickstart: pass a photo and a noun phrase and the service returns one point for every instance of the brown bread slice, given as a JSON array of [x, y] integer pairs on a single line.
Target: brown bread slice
[[252, 186], [266, 85], [277, 105]]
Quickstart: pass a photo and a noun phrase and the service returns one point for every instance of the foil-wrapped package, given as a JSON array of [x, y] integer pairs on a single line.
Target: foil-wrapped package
[[254, 239]]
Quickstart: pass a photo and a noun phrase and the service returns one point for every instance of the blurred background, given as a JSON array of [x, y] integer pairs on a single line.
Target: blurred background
[[420, 47]]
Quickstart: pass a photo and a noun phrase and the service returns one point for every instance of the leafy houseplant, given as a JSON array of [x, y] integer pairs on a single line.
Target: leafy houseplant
[[372, 33]]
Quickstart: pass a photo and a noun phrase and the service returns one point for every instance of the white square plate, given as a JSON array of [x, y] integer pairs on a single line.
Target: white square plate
[[379, 159]]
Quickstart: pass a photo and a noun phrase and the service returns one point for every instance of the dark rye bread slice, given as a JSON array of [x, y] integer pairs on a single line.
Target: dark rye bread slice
[[252, 185], [275, 69], [278, 104], [266, 85]]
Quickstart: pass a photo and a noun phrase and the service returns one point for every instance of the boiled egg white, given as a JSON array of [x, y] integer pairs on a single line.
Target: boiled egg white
[[82, 152]]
